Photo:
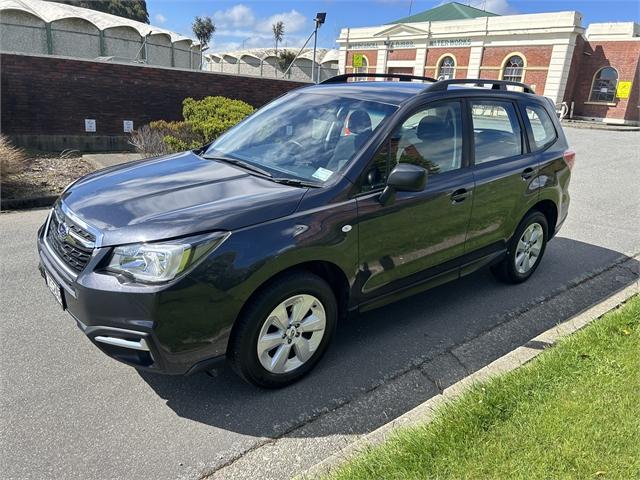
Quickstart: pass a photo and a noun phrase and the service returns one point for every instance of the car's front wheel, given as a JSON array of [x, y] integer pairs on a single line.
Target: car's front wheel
[[284, 330], [525, 249]]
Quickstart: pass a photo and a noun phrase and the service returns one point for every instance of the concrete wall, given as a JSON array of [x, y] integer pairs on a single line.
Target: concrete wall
[[22, 32], [122, 42], [76, 38], [181, 53]]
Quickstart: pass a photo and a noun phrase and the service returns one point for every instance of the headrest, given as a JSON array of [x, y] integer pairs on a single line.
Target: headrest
[[359, 121], [433, 128]]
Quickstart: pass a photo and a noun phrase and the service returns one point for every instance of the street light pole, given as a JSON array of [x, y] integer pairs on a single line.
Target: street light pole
[[320, 18]]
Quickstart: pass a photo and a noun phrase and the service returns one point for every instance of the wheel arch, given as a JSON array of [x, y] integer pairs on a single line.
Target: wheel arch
[[550, 210], [331, 273]]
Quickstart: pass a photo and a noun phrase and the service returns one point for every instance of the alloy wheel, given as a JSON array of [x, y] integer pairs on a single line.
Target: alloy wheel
[[291, 334], [528, 248]]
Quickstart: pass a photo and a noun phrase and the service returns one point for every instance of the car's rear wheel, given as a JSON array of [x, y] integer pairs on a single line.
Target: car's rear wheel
[[284, 330], [525, 251]]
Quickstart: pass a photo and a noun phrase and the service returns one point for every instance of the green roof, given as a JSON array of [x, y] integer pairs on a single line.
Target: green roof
[[448, 11]]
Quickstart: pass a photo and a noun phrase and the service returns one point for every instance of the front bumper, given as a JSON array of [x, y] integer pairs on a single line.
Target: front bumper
[[166, 329]]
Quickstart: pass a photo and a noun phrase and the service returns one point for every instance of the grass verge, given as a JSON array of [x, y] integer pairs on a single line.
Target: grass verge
[[573, 412]]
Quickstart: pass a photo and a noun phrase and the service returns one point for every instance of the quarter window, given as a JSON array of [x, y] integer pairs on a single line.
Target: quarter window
[[496, 131], [542, 127], [605, 82], [513, 69], [447, 68]]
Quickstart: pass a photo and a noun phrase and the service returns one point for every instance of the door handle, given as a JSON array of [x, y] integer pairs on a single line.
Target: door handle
[[459, 195], [527, 173]]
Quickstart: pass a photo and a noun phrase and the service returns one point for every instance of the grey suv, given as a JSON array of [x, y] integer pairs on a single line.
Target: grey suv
[[334, 198]]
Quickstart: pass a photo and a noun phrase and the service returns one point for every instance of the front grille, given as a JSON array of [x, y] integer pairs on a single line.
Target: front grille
[[69, 249], [88, 236]]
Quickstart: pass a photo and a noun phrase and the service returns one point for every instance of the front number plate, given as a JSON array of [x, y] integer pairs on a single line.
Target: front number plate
[[55, 289]]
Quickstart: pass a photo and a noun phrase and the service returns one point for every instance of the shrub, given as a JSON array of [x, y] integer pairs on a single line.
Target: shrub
[[12, 159], [148, 141], [212, 116], [204, 120]]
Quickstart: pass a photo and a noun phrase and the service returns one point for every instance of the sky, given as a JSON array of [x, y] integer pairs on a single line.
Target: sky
[[247, 24]]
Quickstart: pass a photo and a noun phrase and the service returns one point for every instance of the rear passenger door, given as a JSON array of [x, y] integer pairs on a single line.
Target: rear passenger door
[[504, 172]]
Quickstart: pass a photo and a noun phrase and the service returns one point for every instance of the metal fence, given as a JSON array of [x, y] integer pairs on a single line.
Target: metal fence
[[80, 39], [301, 70]]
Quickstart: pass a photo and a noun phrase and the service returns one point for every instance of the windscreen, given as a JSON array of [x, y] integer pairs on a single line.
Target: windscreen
[[303, 135]]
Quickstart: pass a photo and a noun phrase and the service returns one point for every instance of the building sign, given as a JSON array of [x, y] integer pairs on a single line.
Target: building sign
[[454, 42], [358, 60], [401, 44], [127, 126], [89, 125], [362, 45], [623, 90], [392, 45]]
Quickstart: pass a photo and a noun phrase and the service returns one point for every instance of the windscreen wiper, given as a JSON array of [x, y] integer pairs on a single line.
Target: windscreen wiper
[[294, 182], [241, 164]]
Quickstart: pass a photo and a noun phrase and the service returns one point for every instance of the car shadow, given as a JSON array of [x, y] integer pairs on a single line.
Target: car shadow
[[374, 348]]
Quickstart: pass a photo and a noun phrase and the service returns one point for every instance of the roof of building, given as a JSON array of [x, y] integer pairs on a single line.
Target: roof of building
[[448, 11], [51, 11]]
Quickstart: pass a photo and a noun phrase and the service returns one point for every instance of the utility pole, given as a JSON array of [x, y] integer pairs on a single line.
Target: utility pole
[[320, 18]]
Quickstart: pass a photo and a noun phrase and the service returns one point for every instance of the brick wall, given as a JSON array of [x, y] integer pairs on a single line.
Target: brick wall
[[537, 61], [403, 54], [53, 96], [574, 69], [624, 57], [433, 56]]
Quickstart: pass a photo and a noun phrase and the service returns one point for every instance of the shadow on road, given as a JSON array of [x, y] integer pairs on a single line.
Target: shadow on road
[[372, 349]]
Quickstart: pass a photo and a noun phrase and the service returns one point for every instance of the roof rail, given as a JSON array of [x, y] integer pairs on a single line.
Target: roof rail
[[478, 82], [400, 76]]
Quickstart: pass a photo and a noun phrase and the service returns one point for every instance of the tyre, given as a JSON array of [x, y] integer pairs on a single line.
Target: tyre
[[525, 250], [284, 330]]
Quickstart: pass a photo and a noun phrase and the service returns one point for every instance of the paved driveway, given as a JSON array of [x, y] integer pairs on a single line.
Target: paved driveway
[[67, 411]]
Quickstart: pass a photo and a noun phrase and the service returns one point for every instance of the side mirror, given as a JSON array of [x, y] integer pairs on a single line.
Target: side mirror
[[405, 177]]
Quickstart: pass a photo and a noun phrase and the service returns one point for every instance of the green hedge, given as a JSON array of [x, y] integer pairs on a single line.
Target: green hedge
[[204, 120]]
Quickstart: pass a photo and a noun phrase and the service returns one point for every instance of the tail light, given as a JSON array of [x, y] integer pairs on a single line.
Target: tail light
[[570, 158]]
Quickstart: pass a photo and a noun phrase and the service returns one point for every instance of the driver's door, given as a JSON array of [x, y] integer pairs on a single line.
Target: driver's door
[[417, 235]]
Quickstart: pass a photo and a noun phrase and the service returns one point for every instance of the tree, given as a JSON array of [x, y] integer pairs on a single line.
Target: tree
[[131, 9], [286, 58], [278, 33], [203, 29]]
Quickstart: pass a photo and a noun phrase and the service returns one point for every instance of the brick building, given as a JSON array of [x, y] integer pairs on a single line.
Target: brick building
[[594, 70]]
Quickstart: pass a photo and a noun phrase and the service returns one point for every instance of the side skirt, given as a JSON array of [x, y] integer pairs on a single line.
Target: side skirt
[[464, 266]]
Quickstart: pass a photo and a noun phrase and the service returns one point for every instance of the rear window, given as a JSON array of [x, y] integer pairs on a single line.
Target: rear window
[[544, 133], [496, 131]]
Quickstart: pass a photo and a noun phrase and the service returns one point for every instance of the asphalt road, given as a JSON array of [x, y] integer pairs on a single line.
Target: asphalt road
[[67, 411]]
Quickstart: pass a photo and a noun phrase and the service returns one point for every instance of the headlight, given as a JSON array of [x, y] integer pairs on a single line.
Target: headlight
[[160, 262]]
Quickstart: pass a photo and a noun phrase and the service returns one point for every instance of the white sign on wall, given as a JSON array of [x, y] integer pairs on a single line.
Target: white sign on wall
[[127, 126], [89, 125]]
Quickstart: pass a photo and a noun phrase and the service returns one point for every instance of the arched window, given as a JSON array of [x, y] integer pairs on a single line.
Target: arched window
[[513, 69], [446, 68], [603, 88], [364, 68]]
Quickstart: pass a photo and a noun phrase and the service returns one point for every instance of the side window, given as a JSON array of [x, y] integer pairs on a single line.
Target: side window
[[496, 131], [430, 138], [542, 127]]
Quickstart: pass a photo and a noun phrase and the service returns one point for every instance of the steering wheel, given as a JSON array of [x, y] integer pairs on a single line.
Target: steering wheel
[[294, 145]]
